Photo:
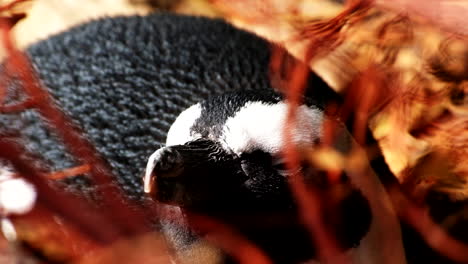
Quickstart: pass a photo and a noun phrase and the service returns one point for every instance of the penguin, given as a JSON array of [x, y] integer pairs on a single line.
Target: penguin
[[223, 159], [187, 99]]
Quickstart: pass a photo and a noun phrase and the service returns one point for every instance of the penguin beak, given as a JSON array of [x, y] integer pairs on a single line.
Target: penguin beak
[[148, 179], [166, 162], [193, 173], [164, 175]]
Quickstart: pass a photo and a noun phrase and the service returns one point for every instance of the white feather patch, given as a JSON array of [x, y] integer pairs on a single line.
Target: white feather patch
[[260, 125], [179, 133]]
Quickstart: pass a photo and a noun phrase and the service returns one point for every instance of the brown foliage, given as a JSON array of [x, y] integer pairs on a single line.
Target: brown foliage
[[407, 105]]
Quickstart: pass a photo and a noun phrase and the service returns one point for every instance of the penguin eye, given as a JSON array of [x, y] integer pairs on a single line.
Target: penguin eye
[[262, 162], [256, 162], [279, 164]]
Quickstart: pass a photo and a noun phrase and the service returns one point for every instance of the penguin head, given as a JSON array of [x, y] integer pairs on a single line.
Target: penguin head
[[198, 174], [228, 149], [223, 158]]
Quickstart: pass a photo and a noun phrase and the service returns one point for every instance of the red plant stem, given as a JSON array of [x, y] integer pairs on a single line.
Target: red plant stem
[[129, 220], [79, 213], [308, 201], [226, 238], [447, 15], [53, 230], [365, 94], [19, 107], [432, 233], [10, 6], [324, 36], [69, 172], [3, 93], [222, 235], [329, 126]]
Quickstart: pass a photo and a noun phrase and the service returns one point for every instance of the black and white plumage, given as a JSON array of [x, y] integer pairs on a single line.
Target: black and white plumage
[[125, 80], [232, 131], [223, 159]]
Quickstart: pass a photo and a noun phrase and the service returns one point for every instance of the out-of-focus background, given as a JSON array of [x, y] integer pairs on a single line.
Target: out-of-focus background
[[45, 17]]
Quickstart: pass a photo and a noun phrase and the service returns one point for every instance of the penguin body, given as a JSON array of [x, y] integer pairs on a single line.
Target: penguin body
[[124, 80]]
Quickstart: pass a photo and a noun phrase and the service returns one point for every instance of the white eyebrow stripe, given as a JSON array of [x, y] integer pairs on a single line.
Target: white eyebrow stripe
[[259, 125], [180, 131]]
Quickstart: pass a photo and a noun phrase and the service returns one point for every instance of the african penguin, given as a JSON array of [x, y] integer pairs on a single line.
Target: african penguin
[[125, 80], [223, 159]]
